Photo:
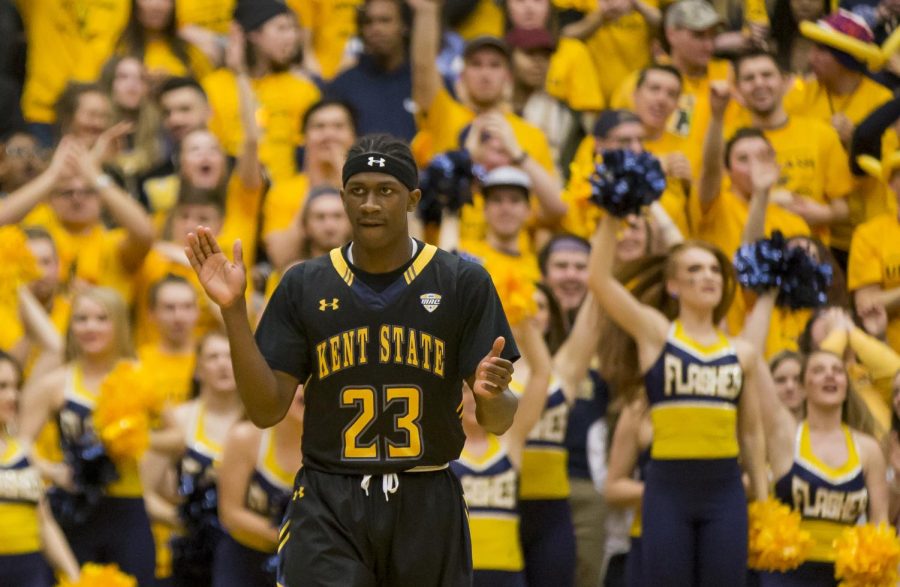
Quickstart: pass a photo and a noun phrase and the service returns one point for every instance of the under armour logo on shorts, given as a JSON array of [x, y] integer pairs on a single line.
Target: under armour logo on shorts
[[373, 162], [323, 304]]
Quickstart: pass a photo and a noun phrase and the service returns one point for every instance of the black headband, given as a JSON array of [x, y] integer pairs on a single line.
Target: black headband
[[381, 163]]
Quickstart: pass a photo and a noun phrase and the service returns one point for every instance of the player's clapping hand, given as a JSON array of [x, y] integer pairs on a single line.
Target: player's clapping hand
[[223, 281], [494, 372]]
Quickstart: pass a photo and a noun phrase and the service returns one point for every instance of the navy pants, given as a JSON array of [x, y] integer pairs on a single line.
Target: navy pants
[[339, 536], [25, 570], [548, 542], [497, 579], [694, 524], [235, 565], [633, 564], [809, 574], [117, 532]]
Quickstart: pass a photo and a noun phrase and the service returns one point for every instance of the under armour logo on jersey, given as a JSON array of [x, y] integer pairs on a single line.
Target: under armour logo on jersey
[[298, 493], [324, 304], [373, 162], [430, 301]]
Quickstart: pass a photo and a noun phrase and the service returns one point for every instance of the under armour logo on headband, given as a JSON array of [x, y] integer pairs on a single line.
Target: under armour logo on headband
[[373, 161]]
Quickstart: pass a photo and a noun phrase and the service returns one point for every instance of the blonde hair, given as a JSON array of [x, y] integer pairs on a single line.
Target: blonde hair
[[116, 309]]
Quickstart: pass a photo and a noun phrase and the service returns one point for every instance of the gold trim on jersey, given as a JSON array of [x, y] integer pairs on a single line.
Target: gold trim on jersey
[[835, 475], [694, 430], [495, 453], [268, 466], [418, 265], [198, 435], [13, 453], [721, 348], [76, 390]]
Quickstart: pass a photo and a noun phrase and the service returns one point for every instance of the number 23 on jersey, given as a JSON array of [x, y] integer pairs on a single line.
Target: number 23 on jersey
[[405, 440]]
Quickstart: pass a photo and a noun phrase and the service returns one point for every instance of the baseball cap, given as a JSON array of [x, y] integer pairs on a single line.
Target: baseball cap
[[506, 176], [695, 15], [610, 119], [486, 42], [530, 39]]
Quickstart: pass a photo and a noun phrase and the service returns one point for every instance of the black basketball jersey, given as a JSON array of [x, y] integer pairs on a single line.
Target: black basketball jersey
[[382, 370]]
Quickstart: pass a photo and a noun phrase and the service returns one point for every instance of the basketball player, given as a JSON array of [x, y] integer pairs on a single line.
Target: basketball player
[[381, 333]]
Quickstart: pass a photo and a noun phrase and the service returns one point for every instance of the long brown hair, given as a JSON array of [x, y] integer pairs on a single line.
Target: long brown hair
[[854, 412], [646, 278]]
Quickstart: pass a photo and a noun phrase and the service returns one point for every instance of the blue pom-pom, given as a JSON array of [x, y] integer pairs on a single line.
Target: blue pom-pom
[[625, 182], [92, 471], [446, 183], [805, 281], [759, 265]]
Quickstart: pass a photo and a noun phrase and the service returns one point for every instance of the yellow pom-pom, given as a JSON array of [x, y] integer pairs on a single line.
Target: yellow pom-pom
[[17, 264], [776, 542], [515, 289], [127, 403], [94, 575], [867, 556]]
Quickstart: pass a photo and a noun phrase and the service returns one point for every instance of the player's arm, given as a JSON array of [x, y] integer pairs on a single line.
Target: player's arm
[[875, 471], [426, 34], [573, 358], [621, 489], [495, 404], [646, 325], [751, 435], [534, 396], [266, 394], [56, 549], [238, 461], [711, 172]]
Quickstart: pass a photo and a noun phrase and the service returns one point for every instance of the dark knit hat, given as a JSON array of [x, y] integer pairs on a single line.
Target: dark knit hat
[[252, 14]]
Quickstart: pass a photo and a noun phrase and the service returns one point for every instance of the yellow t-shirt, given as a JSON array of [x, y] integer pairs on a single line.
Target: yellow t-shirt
[[443, 122], [582, 216], [723, 222], [283, 201], [93, 256], [333, 24], [282, 100], [809, 98], [485, 19], [572, 76], [214, 15], [620, 48], [172, 373], [68, 40], [875, 260], [242, 206], [159, 59], [813, 162], [691, 118]]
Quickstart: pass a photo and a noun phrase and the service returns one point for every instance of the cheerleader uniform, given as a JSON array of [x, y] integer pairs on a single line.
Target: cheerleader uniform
[[21, 558], [548, 536], [193, 553], [244, 560], [829, 500], [491, 485], [634, 559], [694, 511], [118, 529]]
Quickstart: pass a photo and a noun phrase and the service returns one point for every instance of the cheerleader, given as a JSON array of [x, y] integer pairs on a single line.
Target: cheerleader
[[189, 503], [702, 391], [114, 529], [29, 536], [256, 481], [829, 457], [489, 466]]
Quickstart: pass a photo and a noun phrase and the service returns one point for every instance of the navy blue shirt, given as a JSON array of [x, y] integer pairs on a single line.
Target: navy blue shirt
[[382, 99], [584, 412]]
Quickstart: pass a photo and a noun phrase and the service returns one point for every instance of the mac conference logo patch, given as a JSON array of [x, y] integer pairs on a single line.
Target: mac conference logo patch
[[430, 301]]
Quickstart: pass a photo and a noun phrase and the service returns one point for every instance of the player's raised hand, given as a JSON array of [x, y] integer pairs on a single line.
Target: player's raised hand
[[494, 372], [223, 281]]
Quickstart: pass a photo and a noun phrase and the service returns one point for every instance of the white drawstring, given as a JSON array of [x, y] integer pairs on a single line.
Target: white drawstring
[[389, 484]]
